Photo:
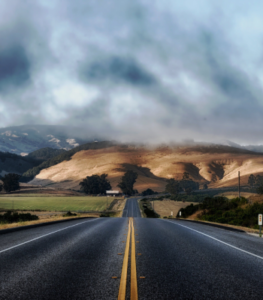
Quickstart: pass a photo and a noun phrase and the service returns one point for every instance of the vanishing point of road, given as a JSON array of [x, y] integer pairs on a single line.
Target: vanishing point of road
[[130, 258]]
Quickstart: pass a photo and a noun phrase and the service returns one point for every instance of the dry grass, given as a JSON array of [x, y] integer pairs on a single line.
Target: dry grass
[[218, 165], [46, 220], [232, 195], [164, 208]]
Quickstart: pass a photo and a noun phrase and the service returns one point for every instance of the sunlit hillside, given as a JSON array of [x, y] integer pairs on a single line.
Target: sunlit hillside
[[216, 165]]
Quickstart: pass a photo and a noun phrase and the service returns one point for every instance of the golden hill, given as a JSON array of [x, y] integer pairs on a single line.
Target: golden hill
[[216, 165]]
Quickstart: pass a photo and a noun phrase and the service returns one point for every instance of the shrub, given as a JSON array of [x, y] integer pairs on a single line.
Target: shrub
[[69, 214], [14, 217]]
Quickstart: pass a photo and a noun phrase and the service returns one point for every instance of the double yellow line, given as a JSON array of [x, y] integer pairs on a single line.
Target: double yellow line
[[123, 282]]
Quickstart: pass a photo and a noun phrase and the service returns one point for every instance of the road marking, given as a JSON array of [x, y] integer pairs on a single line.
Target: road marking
[[213, 238], [134, 287], [123, 282], [40, 237]]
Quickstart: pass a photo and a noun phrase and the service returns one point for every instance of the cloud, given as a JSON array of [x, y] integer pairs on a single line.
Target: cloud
[[118, 69], [142, 71], [14, 67]]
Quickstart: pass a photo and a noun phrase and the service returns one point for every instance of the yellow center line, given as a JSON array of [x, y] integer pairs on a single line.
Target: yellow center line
[[123, 282], [134, 287]]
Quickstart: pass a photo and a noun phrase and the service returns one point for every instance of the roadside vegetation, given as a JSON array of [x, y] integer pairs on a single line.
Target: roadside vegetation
[[222, 210], [70, 214], [146, 208], [14, 217]]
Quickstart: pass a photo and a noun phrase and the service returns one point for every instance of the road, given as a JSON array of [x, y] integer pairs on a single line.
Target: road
[[131, 209], [177, 260]]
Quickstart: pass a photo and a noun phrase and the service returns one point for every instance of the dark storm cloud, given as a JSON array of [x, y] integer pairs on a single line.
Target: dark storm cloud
[[14, 67], [144, 70], [118, 69]]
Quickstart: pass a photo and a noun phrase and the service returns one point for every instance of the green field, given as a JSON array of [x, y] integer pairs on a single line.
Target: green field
[[73, 203]]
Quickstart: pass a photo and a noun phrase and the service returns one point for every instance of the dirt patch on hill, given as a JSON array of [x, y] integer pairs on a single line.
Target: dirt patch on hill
[[165, 207]]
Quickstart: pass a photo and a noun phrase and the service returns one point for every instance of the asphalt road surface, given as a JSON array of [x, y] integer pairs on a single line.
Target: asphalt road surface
[[176, 260], [131, 208]]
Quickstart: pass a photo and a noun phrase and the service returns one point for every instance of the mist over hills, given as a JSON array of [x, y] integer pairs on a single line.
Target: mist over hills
[[28, 138], [25, 139], [61, 157]]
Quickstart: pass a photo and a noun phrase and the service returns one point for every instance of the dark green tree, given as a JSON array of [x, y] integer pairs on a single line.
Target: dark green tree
[[148, 192], [173, 187], [205, 187], [258, 180], [95, 184], [260, 189], [127, 182], [251, 180], [186, 176], [11, 182]]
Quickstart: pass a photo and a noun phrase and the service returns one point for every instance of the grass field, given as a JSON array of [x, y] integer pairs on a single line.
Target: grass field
[[56, 203]]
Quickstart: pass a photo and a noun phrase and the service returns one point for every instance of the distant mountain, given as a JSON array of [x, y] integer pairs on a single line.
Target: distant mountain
[[28, 138], [255, 148]]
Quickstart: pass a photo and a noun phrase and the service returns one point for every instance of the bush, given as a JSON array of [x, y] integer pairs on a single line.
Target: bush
[[188, 210], [69, 214], [15, 217]]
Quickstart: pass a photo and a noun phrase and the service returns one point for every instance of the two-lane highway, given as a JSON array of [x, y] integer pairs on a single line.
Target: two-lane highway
[[157, 259], [132, 208], [72, 260]]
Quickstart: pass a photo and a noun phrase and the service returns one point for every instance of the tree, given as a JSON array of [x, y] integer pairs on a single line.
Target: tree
[[127, 182], [205, 187], [148, 192], [258, 180], [260, 189], [95, 184], [186, 176], [173, 187], [251, 180], [11, 182]]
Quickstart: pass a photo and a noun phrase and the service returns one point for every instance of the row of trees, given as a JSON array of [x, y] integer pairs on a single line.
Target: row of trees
[[96, 184], [186, 185]]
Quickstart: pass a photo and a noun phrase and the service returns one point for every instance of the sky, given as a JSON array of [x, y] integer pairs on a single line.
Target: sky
[[141, 70]]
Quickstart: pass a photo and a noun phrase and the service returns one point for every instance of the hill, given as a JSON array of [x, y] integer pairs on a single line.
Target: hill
[[12, 163], [44, 154], [213, 164]]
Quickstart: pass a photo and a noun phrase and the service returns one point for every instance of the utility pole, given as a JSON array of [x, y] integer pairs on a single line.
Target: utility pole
[[239, 184]]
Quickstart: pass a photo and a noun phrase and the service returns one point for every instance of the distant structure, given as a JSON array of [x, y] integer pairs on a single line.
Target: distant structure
[[113, 193]]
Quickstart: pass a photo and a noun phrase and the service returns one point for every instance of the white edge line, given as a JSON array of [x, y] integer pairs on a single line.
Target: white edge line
[[247, 252], [45, 235]]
